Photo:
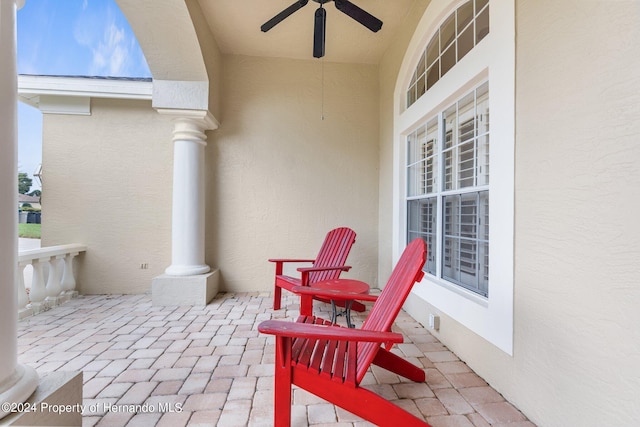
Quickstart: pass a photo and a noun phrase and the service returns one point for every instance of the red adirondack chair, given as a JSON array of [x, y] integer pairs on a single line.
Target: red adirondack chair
[[327, 266], [331, 361]]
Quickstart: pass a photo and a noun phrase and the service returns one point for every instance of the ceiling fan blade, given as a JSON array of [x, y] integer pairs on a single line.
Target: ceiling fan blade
[[282, 15], [362, 16], [319, 32]]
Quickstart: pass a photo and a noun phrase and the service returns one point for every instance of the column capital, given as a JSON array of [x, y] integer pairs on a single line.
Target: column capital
[[202, 118], [190, 125]]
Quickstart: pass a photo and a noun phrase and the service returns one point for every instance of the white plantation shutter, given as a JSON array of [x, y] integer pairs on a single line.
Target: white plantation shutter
[[459, 246]]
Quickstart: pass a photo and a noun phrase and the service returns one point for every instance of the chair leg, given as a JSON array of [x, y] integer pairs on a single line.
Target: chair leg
[[306, 305], [277, 296], [358, 306], [396, 364], [282, 383], [359, 401]]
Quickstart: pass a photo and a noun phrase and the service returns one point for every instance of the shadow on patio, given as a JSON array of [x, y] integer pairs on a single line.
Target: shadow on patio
[[208, 366]]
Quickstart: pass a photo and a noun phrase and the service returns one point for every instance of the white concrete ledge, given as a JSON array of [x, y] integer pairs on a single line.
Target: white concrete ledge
[[56, 402], [49, 251]]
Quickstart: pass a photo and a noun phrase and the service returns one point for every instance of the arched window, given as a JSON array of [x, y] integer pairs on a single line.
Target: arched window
[[457, 35], [454, 162]]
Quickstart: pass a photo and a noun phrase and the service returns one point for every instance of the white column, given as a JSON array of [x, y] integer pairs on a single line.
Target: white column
[[188, 215], [17, 382]]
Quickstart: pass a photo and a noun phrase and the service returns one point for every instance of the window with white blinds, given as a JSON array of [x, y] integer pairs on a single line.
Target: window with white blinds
[[448, 191]]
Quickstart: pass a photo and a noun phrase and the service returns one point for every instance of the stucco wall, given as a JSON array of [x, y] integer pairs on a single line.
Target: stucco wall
[[576, 340], [577, 177], [108, 185], [280, 177]]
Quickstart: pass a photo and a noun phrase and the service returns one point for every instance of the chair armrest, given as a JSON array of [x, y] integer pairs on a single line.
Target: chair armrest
[[305, 330], [280, 263], [312, 269], [335, 294], [305, 271], [290, 260]]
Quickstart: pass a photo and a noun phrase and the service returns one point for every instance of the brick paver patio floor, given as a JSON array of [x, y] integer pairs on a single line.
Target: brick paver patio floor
[[209, 366]]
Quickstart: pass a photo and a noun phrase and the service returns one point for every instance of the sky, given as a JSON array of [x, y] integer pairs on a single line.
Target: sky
[[70, 38]]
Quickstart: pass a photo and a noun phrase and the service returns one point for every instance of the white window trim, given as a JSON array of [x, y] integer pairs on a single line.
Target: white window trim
[[493, 59]]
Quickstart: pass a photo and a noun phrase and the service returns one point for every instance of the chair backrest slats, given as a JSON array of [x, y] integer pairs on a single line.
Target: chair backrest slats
[[408, 271], [333, 252]]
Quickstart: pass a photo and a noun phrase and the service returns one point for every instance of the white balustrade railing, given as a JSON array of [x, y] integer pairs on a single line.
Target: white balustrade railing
[[53, 264]]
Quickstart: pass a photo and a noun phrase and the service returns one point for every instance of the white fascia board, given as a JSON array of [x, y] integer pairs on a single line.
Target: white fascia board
[[57, 104], [30, 87]]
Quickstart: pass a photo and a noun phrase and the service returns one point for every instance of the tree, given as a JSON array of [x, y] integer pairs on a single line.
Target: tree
[[24, 183]]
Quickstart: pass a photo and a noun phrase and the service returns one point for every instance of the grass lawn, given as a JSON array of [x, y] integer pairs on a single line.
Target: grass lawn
[[31, 231]]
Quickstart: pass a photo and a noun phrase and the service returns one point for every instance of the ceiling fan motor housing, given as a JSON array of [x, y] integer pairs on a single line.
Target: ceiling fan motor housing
[[320, 20]]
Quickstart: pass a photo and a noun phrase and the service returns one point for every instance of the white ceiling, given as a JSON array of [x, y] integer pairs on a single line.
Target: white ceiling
[[235, 25]]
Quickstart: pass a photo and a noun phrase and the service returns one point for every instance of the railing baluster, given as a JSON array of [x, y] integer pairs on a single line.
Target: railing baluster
[[68, 279], [61, 282], [53, 287], [38, 293], [23, 298]]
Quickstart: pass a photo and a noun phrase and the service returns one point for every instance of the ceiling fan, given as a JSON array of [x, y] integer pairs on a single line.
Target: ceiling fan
[[320, 20]]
